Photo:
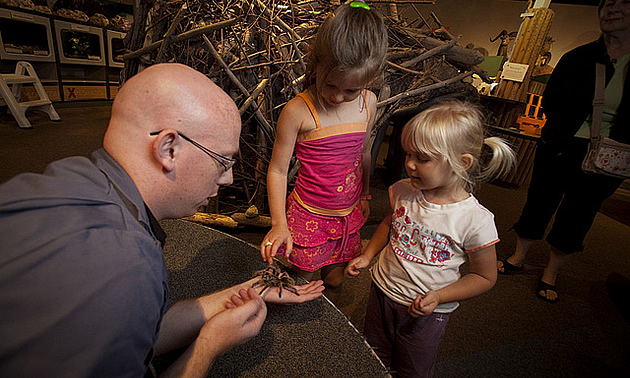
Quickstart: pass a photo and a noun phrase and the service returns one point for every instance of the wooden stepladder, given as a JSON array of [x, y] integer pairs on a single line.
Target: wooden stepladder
[[11, 89]]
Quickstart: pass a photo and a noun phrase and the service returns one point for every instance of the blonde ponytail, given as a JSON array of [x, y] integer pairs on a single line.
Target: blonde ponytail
[[501, 161]]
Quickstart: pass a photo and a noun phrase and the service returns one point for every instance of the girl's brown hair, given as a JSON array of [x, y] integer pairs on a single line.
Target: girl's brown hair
[[350, 39]]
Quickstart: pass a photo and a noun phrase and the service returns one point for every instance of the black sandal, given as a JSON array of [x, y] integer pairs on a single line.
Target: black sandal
[[545, 287], [509, 268]]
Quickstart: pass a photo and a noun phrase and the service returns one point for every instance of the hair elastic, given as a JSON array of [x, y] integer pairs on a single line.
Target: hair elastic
[[360, 4]]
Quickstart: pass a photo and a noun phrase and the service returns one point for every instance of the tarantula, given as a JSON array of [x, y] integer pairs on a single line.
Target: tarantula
[[272, 276]]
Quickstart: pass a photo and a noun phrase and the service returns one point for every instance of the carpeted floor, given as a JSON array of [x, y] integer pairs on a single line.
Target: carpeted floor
[[506, 332]]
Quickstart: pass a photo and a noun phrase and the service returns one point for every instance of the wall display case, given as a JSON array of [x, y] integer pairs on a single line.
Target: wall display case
[[115, 48], [115, 61], [28, 37], [82, 61], [25, 36], [80, 44], [74, 60]]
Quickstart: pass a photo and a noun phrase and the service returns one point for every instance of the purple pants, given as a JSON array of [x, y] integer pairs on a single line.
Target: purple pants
[[407, 346]]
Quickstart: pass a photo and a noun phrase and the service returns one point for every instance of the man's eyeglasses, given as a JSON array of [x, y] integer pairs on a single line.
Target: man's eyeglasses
[[225, 162]]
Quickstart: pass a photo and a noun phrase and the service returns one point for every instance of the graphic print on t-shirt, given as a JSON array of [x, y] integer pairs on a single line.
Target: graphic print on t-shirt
[[414, 242]]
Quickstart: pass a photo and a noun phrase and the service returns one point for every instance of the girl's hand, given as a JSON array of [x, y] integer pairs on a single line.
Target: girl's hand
[[365, 209], [352, 269], [275, 238], [424, 305]]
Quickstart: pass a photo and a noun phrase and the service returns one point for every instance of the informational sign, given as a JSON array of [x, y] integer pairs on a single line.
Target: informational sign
[[514, 71]]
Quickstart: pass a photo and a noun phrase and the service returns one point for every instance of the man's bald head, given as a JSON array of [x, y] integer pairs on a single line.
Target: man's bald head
[[169, 97]]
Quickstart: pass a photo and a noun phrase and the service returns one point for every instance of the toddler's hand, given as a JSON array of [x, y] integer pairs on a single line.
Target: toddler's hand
[[424, 305], [352, 269]]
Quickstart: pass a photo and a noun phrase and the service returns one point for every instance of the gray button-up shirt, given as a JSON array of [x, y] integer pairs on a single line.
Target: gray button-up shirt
[[83, 285]]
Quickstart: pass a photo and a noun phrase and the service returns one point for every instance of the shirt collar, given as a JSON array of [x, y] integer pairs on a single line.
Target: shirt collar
[[157, 230], [128, 192]]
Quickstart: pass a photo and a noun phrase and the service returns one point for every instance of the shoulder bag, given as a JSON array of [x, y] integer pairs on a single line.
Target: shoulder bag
[[605, 156]]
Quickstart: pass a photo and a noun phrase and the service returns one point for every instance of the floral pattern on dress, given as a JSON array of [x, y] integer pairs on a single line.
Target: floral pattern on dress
[[319, 240]]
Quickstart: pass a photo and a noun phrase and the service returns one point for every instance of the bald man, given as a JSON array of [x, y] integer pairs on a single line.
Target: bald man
[[83, 285]]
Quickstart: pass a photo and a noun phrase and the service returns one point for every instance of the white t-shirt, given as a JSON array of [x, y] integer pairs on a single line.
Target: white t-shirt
[[428, 243]]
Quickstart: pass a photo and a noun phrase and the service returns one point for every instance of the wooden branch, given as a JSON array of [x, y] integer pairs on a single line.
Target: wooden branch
[[215, 54], [442, 29], [424, 89], [169, 33], [233, 221], [287, 30], [213, 220], [261, 86], [382, 95], [403, 1], [420, 17], [405, 69], [434, 51], [405, 54], [454, 54], [265, 64], [135, 37], [264, 52], [182, 37], [259, 221], [228, 71]]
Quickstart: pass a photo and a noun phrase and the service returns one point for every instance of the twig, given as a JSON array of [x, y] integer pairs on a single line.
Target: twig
[[182, 37], [167, 37], [405, 69], [286, 28], [425, 89], [261, 86], [215, 54], [434, 51]]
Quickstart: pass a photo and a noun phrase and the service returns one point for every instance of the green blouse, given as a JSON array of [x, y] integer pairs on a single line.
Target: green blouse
[[612, 99]]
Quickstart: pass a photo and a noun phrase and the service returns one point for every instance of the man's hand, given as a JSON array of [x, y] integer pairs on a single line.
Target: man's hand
[[241, 321], [306, 293], [424, 305]]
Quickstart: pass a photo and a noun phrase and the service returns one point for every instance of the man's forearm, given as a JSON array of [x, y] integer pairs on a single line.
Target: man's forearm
[[182, 322]]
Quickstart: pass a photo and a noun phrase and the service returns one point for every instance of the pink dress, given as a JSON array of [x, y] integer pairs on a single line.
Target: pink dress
[[323, 211]]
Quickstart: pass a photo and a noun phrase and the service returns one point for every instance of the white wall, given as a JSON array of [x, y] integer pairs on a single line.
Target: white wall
[[479, 20]]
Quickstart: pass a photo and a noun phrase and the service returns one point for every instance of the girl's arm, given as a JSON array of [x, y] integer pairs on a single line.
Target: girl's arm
[[481, 278], [367, 153], [378, 241], [287, 129]]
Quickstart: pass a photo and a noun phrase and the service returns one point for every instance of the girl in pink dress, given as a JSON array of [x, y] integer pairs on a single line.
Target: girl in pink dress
[[329, 124]]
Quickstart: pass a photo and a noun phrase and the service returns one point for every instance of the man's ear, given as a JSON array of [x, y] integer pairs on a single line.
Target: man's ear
[[165, 148], [467, 160]]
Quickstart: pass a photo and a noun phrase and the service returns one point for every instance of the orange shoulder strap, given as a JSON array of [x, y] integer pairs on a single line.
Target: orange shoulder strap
[[308, 102]]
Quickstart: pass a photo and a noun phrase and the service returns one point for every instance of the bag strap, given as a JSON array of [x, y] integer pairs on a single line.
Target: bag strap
[[598, 100]]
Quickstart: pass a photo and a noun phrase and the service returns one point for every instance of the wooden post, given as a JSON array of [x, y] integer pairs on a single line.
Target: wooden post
[[529, 43]]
